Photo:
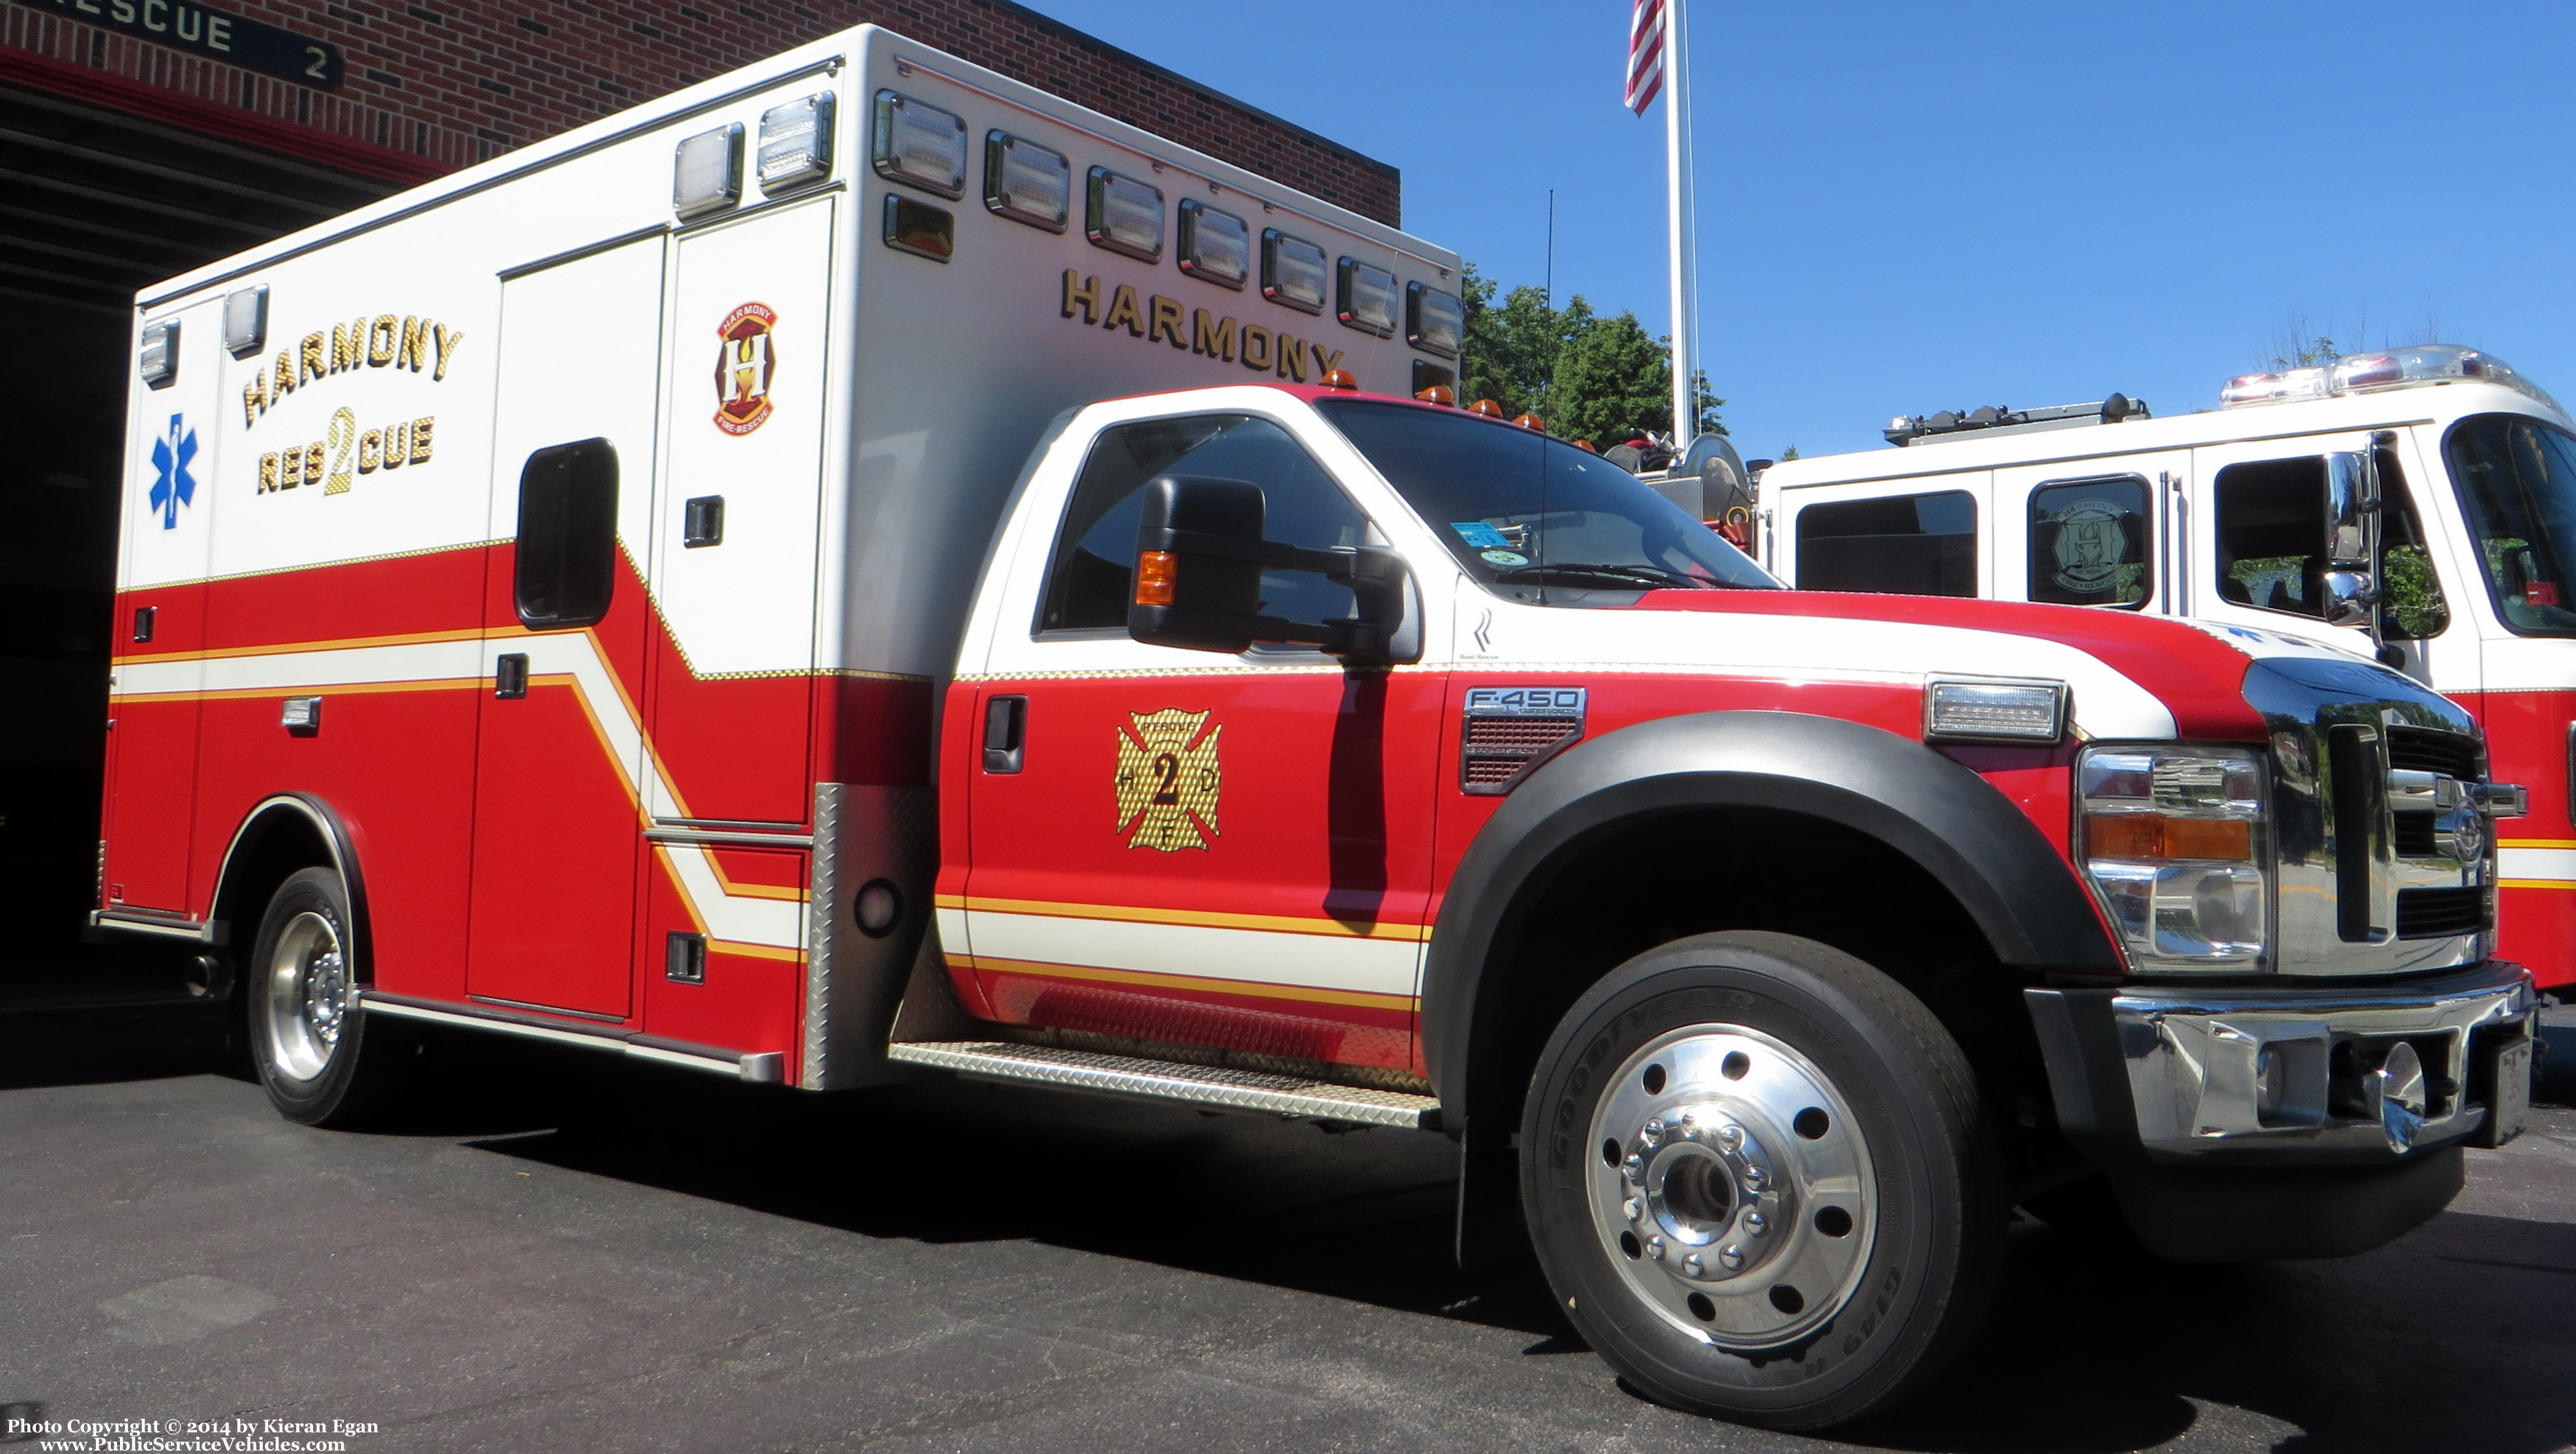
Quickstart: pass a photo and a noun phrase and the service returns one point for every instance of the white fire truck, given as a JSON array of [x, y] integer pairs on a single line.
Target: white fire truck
[[861, 568], [2415, 505]]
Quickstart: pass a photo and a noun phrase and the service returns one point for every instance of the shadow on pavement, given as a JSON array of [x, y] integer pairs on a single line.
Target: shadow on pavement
[[85, 1015], [2444, 1340]]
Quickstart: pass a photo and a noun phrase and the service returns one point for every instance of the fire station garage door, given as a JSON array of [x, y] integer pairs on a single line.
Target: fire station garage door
[[733, 561]]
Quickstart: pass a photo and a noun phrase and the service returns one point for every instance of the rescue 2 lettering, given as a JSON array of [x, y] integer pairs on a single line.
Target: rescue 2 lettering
[[1161, 319], [327, 462], [383, 341]]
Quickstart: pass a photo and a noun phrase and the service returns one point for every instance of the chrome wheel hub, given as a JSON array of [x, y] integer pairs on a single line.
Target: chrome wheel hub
[[309, 995], [1731, 1186]]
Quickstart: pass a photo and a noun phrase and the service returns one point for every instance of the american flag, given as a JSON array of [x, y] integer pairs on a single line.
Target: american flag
[[1645, 55]]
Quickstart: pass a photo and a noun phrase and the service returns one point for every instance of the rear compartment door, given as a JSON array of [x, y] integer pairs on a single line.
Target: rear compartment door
[[154, 708], [557, 803]]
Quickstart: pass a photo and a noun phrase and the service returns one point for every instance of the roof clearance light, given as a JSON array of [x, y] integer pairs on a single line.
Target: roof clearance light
[[1531, 421], [160, 358], [1440, 394], [1215, 245], [920, 145], [1368, 299], [1341, 379], [1292, 271], [1486, 408], [246, 321], [1987, 710], [1434, 322], [1027, 182], [1123, 215], [796, 143], [706, 172]]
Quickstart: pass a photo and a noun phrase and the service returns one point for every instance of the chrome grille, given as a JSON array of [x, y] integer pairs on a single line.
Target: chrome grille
[[2422, 749], [2440, 913]]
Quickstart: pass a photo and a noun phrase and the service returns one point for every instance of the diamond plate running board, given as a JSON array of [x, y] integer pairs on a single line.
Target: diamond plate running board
[[1198, 1085]]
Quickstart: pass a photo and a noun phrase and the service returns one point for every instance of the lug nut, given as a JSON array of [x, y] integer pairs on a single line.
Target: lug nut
[[1731, 1256], [1653, 1134], [1756, 1224], [1730, 1136], [1632, 1208], [1755, 1178], [1634, 1167], [1691, 1265], [1655, 1248]]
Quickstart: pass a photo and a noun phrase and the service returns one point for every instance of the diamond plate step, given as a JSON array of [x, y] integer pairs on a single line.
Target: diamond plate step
[[1199, 1085]]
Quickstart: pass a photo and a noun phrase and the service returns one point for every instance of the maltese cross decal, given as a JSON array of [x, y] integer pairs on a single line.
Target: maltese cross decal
[[172, 485], [1168, 780]]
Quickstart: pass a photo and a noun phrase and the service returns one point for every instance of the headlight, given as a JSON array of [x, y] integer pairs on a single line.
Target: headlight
[[2172, 841]]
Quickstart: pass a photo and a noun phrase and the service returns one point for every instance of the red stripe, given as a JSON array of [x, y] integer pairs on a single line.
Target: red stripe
[[2199, 678]]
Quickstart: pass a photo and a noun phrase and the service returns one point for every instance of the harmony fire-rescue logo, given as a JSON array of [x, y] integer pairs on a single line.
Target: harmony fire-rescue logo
[[746, 356], [1168, 780], [172, 485]]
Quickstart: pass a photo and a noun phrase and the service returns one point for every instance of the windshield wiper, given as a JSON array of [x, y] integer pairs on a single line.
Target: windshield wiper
[[1653, 575]]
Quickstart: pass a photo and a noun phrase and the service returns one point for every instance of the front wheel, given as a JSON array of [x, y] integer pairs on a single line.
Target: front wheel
[[1759, 1180], [307, 1034]]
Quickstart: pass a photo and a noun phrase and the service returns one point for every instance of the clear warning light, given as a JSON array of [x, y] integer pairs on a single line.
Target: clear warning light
[[796, 143], [1995, 711]]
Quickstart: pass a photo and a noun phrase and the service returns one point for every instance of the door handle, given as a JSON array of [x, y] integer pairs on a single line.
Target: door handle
[[1006, 729], [510, 675]]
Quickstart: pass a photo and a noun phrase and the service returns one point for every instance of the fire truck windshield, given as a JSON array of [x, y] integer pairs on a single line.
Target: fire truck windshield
[[2517, 481], [1534, 519]]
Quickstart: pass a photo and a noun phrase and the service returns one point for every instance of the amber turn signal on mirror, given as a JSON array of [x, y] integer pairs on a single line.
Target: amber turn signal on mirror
[[1156, 570]]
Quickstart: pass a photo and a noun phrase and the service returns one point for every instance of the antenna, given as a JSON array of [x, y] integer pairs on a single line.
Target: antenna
[[1550, 289]]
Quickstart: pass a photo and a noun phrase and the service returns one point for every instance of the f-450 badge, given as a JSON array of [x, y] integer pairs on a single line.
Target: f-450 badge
[[1168, 780], [746, 356]]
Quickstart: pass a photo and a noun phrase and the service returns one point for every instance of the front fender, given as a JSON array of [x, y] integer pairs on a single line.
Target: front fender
[[1949, 821]]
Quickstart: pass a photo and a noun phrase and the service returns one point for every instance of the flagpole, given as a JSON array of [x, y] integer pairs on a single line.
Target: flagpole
[[1678, 206]]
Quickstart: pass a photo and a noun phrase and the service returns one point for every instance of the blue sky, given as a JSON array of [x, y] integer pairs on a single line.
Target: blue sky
[[1905, 208]]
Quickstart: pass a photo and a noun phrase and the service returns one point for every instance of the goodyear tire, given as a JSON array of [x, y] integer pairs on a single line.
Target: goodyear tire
[[1760, 1180], [308, 1037]]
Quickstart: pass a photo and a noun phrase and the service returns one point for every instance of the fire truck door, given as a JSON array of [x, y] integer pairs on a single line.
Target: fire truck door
[[153, 715], [1179, 846], [2094, 532], [559, 748], [733, 554]]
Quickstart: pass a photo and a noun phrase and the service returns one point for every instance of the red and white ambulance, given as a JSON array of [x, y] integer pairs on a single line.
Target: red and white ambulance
[[862, 568], [2414, 505]]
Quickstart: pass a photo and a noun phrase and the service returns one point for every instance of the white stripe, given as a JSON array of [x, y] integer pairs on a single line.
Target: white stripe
[[746, 919], [2555, 863], [1369, 966]]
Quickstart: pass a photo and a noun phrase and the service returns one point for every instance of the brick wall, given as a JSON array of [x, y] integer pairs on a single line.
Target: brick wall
[[458, 81]]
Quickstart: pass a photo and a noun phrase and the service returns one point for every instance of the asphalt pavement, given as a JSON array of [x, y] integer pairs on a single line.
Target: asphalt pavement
[[569, 1253]]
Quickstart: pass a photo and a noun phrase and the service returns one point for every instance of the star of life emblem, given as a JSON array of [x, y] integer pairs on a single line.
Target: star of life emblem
[[1168, 780], [746, 356], [172, 485]]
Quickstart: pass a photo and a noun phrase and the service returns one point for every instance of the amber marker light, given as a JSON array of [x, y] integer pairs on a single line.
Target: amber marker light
[[1438, 394], [2153, 835], [1341, 379], [1532, 421], [1586, 446], [1486, 407], [1156, 570]]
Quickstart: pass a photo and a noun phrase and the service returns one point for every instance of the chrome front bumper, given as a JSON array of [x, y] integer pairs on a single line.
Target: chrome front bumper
[[2304, 1075]]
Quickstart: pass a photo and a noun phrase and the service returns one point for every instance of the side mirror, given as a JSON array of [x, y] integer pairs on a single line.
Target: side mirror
[[2352, 512], [1198, 564], [1199, 558], [2350, 581]]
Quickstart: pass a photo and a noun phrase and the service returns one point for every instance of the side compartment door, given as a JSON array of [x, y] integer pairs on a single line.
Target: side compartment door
[[160, 624], [1922, 536], [733, 562], [559, 743]]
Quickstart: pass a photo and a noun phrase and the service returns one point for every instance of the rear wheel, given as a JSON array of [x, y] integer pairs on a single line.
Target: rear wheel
[[308, 1036], [1758, 1178]]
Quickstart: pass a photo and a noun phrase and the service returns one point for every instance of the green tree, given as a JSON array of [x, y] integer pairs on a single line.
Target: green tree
[[1589, 376]]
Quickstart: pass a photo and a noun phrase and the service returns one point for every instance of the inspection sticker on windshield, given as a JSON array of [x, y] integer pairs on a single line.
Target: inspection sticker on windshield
[[1479, 535], [1503, 557]]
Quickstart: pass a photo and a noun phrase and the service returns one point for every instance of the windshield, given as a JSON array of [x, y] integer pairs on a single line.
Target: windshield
[[2517, 479], [1535, 519]]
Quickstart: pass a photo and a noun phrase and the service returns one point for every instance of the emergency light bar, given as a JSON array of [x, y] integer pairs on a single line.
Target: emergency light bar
[[2361, 373], [1904, 429]]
